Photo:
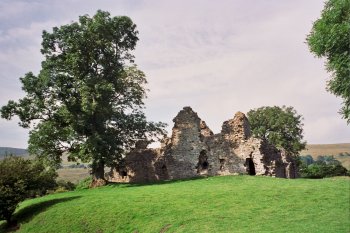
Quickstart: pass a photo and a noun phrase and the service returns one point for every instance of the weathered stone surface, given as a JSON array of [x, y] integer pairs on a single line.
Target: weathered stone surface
[[98, 183], [193, 150], [141, 165]]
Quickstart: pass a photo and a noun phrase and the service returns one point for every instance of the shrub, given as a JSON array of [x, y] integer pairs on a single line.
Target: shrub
[[21, 179], [84, 184], [307, 159], [65, 185], [324, 166], [322, 169]]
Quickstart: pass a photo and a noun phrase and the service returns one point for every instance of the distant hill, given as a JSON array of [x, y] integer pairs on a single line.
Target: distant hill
[[340, 151], [326, 149], [14, 151]]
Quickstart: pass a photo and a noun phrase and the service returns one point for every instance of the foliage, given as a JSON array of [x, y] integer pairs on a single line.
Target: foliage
[[214, 204], [87, 99], [65, 185], [324, 166], [307, 159], [330, 38], [84, 184], [321, 170], [282, 126], [20, 179], [344, 154], [327, 159]]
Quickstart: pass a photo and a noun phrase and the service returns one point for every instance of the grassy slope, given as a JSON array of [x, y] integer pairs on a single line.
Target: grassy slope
[[217, 204]]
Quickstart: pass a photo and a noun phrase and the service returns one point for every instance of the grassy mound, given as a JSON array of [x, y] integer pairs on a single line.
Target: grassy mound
[[215, 204]]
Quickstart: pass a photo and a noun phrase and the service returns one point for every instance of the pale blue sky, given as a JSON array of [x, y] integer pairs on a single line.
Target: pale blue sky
[[219, 57]]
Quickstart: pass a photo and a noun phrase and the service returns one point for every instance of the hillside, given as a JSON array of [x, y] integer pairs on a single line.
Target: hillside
[[326, 149], [66, 173], [340, 151], [14, 151], [215, 204], [73, 174]]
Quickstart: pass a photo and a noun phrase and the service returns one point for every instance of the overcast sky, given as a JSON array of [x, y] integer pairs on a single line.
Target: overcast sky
[[218, 57]]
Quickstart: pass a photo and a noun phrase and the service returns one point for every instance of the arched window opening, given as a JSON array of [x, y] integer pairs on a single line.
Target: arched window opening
[[123, 173], [222, 164]]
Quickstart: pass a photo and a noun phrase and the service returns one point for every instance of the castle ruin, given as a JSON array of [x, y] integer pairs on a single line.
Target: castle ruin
[[193, 150]]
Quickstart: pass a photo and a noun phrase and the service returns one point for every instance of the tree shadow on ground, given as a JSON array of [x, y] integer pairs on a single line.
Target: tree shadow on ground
[[26, 214]]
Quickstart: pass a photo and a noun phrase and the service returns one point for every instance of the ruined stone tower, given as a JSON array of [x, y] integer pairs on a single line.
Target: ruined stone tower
[[193, 150]]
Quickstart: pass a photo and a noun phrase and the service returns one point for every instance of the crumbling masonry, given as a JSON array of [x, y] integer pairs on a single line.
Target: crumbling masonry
[[193, 150]]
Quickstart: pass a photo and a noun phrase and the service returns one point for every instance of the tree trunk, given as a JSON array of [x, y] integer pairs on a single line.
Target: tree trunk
[[11, 224], [98, 175]]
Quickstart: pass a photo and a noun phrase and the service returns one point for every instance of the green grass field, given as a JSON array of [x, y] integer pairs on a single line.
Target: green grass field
[[215, 204]]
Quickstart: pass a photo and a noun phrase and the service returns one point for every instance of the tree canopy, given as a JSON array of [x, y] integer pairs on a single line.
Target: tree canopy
[[330, 38], [324, 166], [282, 126], [87, 99]]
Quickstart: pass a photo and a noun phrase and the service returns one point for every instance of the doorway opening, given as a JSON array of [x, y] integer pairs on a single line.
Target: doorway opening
[[203, 164], [250, 166]]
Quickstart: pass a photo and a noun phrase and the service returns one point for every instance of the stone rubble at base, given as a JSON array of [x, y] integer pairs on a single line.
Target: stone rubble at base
[[193, 150]]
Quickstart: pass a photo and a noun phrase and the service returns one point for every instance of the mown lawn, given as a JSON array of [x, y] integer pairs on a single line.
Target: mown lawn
[[215, 204]]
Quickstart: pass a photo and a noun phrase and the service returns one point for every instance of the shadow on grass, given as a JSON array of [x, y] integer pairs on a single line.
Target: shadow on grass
[[26, 214], [161, 182]]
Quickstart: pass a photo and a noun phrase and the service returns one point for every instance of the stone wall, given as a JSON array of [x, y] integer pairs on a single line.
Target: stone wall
[[186, 145], [141, 165], [193, 150]]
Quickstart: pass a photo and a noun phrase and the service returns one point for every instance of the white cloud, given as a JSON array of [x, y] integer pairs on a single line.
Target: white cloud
[[12, 135], [218, 57]]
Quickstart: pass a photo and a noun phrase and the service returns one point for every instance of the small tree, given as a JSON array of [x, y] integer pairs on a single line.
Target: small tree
[[330, 38], [327, 159], [282, 127], [307, 159], [323, 166], [87, 99], [20, 179]]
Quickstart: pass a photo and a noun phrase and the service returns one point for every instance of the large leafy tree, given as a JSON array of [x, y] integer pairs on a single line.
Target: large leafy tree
[[87, 99], [330, 38], [282, 126]]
